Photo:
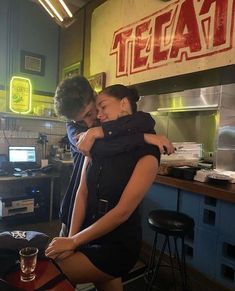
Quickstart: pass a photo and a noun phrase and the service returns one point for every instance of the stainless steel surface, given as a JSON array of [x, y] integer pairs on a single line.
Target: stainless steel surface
[[204, 115], [196, 126], [225, 159], [188, 100], [225, 155]]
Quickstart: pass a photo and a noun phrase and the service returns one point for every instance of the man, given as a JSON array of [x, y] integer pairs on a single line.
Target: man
[[75, 99]]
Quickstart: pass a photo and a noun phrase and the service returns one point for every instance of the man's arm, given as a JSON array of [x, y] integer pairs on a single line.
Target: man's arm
[[79, 208], [78, 158], [129, 125], [122, 134], [73, 130]]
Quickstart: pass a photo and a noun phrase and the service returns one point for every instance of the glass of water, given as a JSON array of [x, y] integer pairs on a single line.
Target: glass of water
[[28, 261]]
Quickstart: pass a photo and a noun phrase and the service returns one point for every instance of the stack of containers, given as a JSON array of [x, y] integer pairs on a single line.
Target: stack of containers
[[186, 154]]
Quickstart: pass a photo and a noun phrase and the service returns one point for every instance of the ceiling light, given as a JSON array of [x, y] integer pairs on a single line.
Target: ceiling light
[[66, 8], [54, 10], [46, 8], [58, 10]]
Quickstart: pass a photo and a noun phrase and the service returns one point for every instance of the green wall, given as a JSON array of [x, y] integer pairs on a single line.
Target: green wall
[[25, 26]]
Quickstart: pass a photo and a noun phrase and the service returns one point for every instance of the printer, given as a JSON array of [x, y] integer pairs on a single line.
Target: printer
[[17, 204]]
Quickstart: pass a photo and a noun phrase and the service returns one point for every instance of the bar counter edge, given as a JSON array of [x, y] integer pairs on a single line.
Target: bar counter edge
[[225, 192]]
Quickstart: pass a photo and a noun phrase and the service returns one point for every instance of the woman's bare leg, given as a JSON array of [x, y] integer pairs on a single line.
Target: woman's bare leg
[[112, 285], [79, 269]]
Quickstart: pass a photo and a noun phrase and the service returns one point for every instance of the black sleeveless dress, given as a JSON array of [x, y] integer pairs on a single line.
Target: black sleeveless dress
[[116, 252]]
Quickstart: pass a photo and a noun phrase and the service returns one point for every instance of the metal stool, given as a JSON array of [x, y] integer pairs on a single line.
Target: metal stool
[[170, 224]]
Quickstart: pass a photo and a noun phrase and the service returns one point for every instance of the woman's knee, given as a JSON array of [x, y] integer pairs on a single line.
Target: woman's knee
[[110, 285], [79, 269]]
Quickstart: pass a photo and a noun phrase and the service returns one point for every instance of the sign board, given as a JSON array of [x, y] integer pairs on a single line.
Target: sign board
[[161, 39], [20, 95]]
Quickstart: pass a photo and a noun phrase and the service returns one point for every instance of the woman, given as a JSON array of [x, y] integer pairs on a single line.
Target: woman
[[106, 229]]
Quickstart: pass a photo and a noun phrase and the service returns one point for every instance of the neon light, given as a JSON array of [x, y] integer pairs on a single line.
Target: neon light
[[20, 95]]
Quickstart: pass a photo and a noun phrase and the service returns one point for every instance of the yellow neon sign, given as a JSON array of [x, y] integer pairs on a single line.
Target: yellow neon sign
[[20, 95]]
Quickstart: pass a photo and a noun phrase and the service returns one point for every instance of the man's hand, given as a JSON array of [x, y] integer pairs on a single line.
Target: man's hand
[[85, 140], [165, 146]]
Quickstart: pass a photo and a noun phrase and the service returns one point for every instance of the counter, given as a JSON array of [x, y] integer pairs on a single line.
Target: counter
[[210, 249], [216, 191]]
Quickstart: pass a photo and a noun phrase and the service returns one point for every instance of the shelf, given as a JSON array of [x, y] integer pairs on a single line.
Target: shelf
[[14, 115]]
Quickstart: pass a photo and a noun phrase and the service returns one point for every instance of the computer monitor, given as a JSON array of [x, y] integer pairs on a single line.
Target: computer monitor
[[22, 154]]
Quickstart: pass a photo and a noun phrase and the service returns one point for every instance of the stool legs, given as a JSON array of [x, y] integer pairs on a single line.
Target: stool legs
[[150, 269], [155, 264], [171, 261], [184, 266], [181, 262], [154, 267]]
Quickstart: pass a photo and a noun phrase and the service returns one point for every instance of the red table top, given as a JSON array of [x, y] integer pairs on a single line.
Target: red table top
[[45, 271]]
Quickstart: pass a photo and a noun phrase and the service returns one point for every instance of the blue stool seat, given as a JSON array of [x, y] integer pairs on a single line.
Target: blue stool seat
[[170, 224]]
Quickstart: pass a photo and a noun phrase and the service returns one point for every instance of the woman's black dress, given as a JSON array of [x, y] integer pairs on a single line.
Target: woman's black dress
[[117, 252]]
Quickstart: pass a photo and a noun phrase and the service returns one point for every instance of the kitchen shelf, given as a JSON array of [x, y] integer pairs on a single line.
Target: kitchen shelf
[[14, 115]]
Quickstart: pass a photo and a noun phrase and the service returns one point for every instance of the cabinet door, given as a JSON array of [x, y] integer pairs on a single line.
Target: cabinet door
[[226, 245], [225, 272], [209, 213], [190, 205], [158, 197], [201, 245], [205, 251], [227, 219]]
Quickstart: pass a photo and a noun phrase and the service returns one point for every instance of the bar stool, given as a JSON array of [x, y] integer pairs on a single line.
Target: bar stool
[[171, 224]]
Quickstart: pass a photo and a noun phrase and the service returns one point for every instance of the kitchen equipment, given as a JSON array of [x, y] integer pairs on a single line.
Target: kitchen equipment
[[218, 179], [166, 165], [186, 154], [184, 172], [202, 174], [14, 205]]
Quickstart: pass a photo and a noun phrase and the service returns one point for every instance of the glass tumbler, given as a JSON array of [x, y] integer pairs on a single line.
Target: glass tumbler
[[28, 261]]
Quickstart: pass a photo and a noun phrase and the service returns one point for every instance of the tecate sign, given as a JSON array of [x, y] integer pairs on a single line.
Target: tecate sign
[[183, 30]]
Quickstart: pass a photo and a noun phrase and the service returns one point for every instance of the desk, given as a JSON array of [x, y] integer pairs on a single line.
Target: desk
[[18, 185], [45, 271]]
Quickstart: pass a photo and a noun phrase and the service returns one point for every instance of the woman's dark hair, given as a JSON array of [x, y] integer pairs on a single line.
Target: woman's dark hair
[[120, 91], [72, 95]]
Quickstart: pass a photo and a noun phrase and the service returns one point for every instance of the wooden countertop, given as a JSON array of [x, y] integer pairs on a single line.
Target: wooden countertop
[[220, 192]]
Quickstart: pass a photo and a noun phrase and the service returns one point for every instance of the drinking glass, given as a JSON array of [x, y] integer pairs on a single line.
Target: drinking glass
[[28, 261]]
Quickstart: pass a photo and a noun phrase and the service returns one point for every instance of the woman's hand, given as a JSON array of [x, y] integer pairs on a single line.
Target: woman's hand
[[60, 245], [164, 144], [85, 140]]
